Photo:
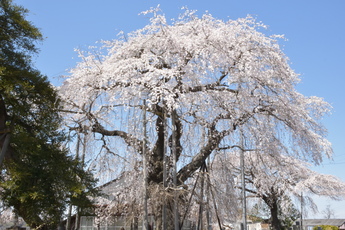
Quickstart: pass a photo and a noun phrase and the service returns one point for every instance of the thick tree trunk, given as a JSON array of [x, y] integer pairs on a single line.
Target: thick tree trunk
[[4, 147], [157, 203], [155, 157], [271, 201], [3, 114], [276, 224], [4, 132], [169, 220]]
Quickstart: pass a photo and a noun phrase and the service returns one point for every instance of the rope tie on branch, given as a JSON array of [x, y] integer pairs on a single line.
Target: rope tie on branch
[[4, 131]]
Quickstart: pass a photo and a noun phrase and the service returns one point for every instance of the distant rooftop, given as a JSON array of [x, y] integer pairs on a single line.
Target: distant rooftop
[[314, 222]]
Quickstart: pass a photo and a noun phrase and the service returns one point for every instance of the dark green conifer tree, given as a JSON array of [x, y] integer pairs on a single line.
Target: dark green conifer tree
[[38, 178]]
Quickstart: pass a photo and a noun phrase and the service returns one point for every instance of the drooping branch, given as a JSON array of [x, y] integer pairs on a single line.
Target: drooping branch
[[128, 138], [235, 146], [214, 139], [105, 145], [216, 86]]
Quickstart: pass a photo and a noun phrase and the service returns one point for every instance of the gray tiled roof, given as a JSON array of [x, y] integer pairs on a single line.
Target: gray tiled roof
[[314, 222]]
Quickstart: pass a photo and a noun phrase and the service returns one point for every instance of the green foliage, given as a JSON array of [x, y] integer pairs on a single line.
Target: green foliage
[[261, 211], [289, 220], [17, 36], [43, 182], [325, 227], [290, 215], [39, 179]]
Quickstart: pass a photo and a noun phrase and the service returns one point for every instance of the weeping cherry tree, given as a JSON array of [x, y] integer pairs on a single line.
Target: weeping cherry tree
[[215, 78]]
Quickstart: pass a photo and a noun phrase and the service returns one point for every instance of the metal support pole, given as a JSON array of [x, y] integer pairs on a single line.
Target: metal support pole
[[164, 214], [176, 222], [201, 207], [244, 203], [301, 224], [208, 213], [69, 214], [77, 216], [145, 220]]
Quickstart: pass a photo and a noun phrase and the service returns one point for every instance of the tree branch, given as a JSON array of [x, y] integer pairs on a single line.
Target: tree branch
[[128, 138], [214, 139]]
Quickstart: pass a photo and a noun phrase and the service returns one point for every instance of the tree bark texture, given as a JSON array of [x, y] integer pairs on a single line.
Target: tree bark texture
[[4, 133], [272, 203]]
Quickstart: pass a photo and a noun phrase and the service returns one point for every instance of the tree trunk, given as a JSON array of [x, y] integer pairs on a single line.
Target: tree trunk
[[4, 147], [276, 224], [272, 202], [5, 135], [158, 211]]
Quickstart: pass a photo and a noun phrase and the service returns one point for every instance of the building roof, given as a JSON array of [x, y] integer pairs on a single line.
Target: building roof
[[314, 222]]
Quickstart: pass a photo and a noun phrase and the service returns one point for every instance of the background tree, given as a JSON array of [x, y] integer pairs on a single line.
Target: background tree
[[208, 80], [261, 212], [277, 179], [328, 212], [258, 211], [38, 178], [325, 227]]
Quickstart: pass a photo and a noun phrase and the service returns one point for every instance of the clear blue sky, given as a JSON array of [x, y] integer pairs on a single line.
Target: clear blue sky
[[315, 31]]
